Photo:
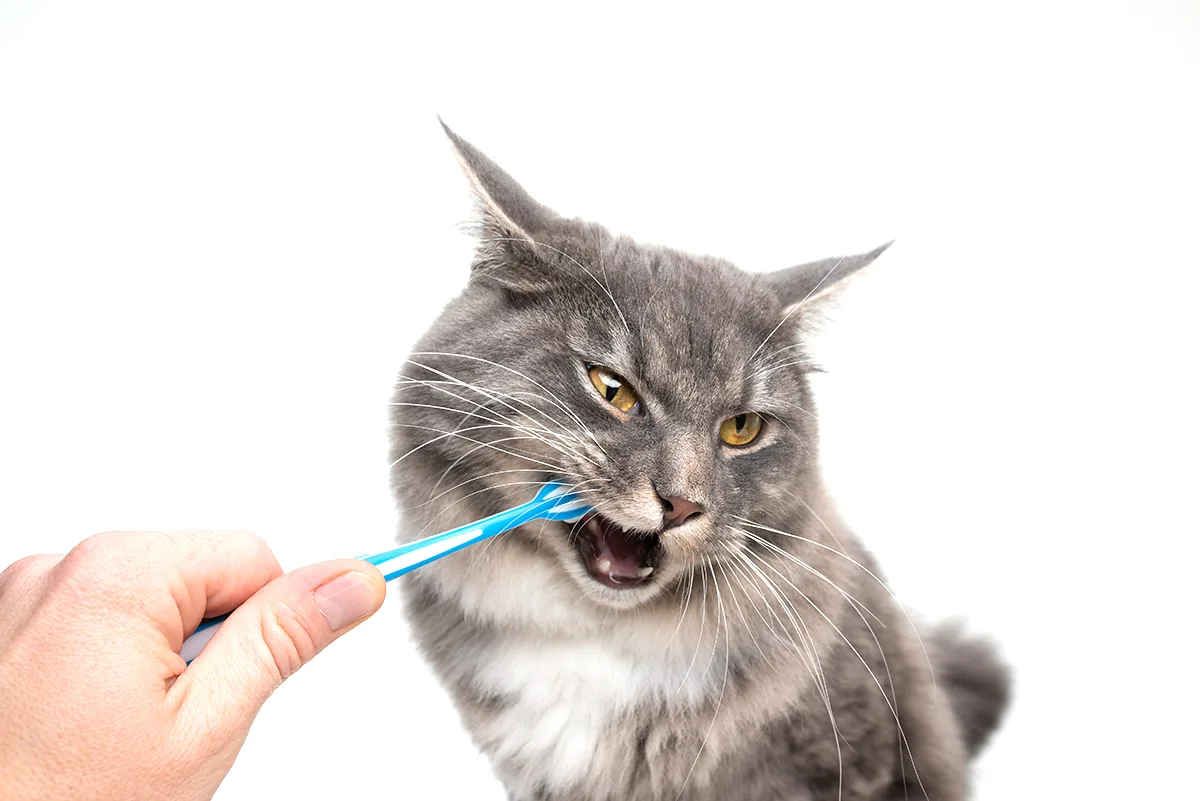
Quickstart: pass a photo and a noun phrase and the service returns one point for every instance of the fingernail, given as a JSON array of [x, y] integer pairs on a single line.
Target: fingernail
[[346, 599]]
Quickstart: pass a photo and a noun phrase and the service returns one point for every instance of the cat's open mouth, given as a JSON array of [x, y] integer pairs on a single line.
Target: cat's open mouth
[[617, 557]]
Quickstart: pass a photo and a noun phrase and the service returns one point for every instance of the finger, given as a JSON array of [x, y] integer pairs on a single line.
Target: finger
[[176, 578], [267, 639]]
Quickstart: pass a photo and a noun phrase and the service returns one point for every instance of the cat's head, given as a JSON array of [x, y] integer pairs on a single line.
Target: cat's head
[[669, 390]]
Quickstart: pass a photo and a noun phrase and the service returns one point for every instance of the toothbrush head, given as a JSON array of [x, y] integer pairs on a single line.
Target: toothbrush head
[[567, 506]]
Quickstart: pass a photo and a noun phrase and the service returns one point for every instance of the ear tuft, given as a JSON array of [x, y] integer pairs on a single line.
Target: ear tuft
[[807, 283], [509, 224]]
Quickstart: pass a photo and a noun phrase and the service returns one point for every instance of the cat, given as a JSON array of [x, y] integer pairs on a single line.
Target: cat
[[712, 630]]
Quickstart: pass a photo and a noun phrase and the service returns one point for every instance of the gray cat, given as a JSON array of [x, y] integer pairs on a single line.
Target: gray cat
[[713, 631]]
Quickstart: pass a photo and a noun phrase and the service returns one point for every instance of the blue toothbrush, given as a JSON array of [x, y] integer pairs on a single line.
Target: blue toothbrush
[[552, 502]]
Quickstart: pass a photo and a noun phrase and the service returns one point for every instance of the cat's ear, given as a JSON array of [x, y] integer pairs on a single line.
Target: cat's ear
[[508, 226], [804, 285]]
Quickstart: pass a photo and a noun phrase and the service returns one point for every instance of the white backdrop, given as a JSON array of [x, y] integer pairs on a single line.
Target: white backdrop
[[223, 224]]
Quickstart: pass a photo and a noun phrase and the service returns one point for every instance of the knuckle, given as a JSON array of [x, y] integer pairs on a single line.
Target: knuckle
[[257, 543], [97, 547], [89, 567], [289, 641], [28, 568], [82, 561]]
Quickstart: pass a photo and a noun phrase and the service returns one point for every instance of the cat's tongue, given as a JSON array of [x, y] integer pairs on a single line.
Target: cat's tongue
[[616, 556]]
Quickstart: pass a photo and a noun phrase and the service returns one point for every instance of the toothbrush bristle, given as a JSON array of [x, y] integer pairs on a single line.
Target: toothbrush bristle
[[574, 503], [568, 509]]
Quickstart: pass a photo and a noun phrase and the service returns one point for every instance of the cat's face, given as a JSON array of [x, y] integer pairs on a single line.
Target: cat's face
[[668, 390]]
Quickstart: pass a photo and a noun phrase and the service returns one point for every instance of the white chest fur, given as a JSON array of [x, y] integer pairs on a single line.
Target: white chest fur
[[561, 696]]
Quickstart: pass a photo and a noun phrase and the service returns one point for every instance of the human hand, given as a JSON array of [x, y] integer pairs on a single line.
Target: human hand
[[95, 701]]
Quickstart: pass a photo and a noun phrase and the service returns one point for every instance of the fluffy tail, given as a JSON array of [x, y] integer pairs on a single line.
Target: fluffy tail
[[977, 682]]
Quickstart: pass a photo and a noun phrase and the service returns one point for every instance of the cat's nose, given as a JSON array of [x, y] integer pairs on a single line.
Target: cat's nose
[[677, 511]]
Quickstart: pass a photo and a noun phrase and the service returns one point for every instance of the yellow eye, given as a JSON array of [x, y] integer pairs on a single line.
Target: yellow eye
[[741, 429], [612, 387]]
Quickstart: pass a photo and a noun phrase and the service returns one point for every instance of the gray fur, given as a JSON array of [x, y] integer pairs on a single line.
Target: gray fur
[[726, 675]]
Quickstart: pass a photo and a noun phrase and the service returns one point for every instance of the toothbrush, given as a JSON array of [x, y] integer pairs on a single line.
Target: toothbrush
[[552, 502]]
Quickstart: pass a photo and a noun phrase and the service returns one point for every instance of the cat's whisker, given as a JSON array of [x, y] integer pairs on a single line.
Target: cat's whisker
[[767, 371], [700, 636], [912, 624], [459, 435], [732, 571], [795, 308], [842, 554], [810, 569], [805, 650], [549, 396], [433, 498], [858, 607], [766, 359], [792, 431], [716, 635], [536, 433], [532, 482], [820, 678], [561, 432], [767, 565], [721, 619], [476, 407], [795, 406], [778, 360], [603, 286], [801, 650], [564, 435], [582, 283], [740, 573], [462, 434], [814, 668], [407, 382], [870, 671], [470, 452], [782, 352], [687, 599], [491, 396]]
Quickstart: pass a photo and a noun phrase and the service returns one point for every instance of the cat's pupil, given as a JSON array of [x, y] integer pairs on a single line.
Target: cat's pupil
[[740, 422], [611, 391]]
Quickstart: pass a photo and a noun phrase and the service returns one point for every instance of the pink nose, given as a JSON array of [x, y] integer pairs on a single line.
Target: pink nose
[[677, 511]]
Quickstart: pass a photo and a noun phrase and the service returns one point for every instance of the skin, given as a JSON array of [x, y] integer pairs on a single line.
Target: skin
[[89, 661]]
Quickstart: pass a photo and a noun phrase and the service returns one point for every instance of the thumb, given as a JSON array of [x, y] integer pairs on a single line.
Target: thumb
[[268, 638]]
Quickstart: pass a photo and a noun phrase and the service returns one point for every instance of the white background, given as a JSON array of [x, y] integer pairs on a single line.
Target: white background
[[223, 224]]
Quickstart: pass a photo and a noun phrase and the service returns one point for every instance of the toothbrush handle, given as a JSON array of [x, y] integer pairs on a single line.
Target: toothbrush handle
[[408, 557]]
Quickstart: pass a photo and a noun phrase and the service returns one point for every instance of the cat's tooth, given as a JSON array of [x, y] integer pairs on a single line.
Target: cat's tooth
[[604, 565], [645, 571]]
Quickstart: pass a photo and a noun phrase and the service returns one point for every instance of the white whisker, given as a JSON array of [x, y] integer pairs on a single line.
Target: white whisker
[[724, 679], [549, 396], [795, 309], [603, 286]]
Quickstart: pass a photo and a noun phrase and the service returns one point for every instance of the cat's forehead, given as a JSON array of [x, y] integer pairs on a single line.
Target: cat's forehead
[[693, 323]]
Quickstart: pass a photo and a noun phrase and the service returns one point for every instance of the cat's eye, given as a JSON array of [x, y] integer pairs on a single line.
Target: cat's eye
[[741, 429], [612, 387]]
